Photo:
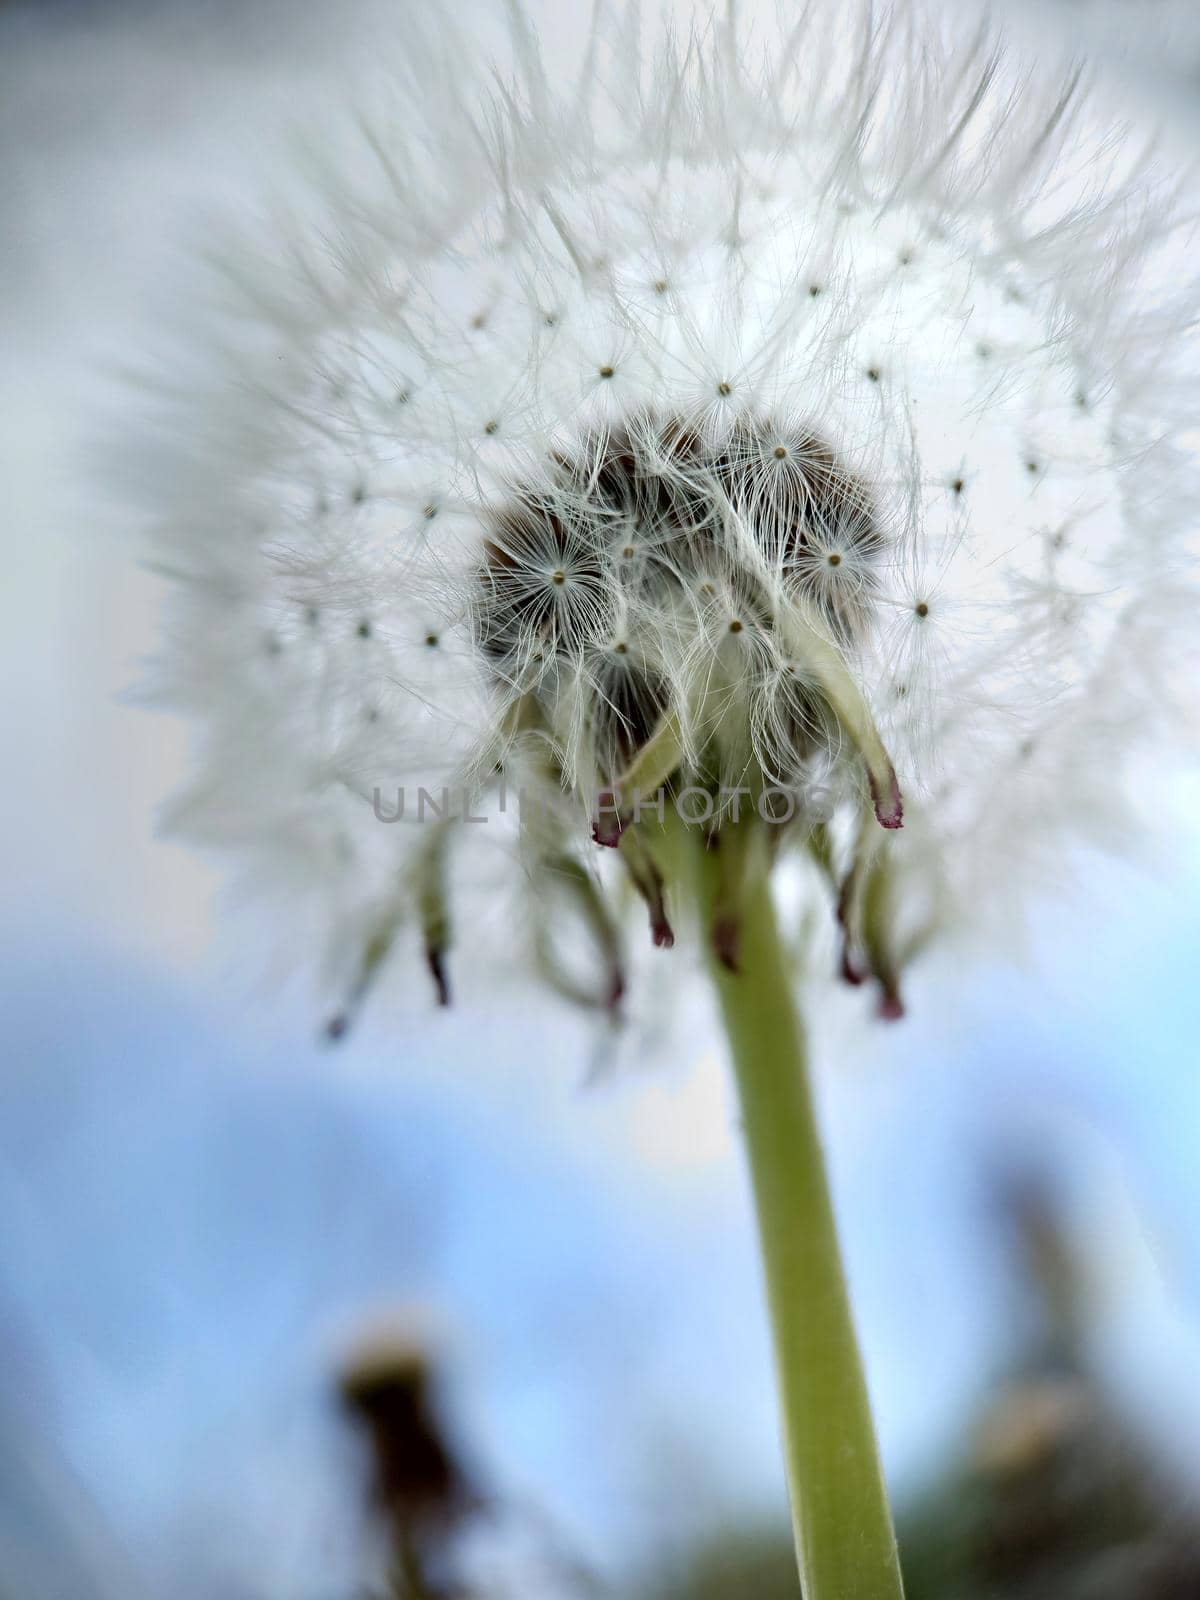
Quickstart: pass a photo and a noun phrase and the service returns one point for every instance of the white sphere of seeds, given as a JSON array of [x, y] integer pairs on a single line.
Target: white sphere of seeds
[[818, 399]]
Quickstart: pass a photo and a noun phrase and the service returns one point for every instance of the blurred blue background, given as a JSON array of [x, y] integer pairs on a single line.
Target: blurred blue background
[[201, 1210]]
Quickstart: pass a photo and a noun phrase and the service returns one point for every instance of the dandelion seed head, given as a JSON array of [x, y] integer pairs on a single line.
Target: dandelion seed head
[[810, 420]]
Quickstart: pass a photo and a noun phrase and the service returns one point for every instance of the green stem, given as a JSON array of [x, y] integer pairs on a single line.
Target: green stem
[[845, 1543]]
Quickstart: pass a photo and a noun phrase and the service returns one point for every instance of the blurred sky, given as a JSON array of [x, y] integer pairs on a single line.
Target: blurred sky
[[200, 1206]]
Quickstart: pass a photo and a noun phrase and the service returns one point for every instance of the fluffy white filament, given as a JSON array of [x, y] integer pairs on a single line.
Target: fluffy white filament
[[861, 243]]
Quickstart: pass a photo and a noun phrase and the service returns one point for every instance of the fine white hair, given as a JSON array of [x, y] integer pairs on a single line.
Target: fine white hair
[[863, 274]]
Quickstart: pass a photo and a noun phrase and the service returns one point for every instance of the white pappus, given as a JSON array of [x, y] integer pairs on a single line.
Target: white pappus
[[785, 418]]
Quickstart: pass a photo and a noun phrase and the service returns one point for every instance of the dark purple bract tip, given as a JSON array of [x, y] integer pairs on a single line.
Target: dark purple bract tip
[[607, 826], [849, 973], [726, 936], [889, 805], [436, 961]]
